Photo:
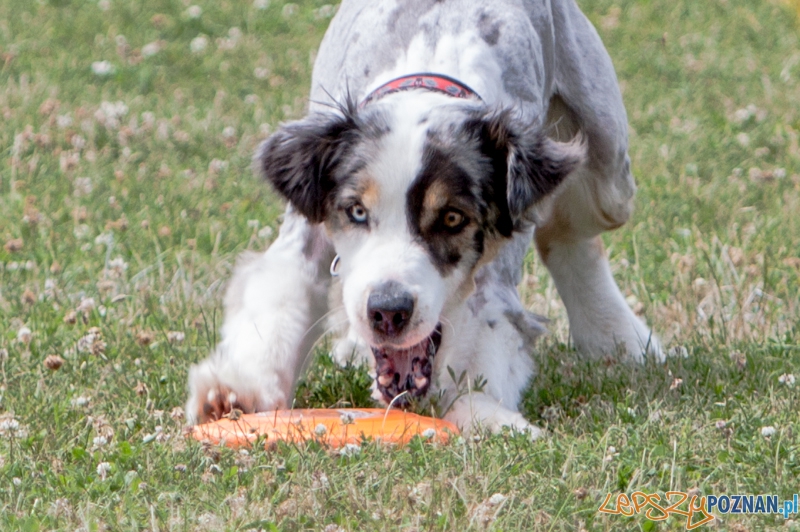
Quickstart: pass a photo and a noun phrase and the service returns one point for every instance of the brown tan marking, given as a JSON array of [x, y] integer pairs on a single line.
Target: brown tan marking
[[362, 188], [370, 191]]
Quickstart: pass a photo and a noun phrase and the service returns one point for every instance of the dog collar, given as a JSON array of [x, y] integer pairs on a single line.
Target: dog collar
[[432, 82]]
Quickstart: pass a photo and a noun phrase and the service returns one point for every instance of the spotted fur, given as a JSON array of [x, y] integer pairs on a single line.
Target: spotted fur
[[440, 199]]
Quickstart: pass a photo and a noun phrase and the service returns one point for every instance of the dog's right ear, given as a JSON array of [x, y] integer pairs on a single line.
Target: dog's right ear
[[299, 159]]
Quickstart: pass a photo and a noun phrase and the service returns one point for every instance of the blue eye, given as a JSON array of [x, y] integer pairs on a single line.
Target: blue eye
[[358, 214]]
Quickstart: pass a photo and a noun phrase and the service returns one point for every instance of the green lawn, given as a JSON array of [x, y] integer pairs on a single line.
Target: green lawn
[[126, 132]]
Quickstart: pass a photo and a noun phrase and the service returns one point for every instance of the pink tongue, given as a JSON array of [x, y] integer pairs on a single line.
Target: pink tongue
[[400, 360], [397, 372]]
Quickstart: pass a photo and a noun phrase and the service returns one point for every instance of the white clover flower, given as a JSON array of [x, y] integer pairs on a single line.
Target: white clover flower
[[768, 431], [680, 351], [787, 379], [110, 113], [148, 120], [265, 232], [261, 73], [118, 108], [103, 68], [741, 115], [260, 4], [194, 11], [229, 132], [347, 418], [81, 231], [611, 453], [743, 139], [150, 49], [63, 121], [497, 499], [104, 5], [429, 434], [24, 335], [351, 449], [176, 337], [78, 142], [9, 425], [90, 342], [80, 401], [234, 34], [320, 430], [11, 428], [198, 44], [83, 187], [326, 11], [289, 10], [104, 239], [253, 224], [103, 469], [87, 304], [118, 265], [216, 166], [16, 481], [99, 441]]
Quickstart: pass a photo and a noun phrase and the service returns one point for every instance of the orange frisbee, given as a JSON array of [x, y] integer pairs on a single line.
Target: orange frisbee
[[333, 427]]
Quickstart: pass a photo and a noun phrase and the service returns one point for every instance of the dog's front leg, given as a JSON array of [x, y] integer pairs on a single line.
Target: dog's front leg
[[480, 410], [273, 307]]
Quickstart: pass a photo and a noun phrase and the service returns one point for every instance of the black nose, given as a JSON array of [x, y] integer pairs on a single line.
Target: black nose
[[389, 309]]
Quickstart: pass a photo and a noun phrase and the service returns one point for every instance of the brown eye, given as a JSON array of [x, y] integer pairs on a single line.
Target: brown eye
[[453, 219]]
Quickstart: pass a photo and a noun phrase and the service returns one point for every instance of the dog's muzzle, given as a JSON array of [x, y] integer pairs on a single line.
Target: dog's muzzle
[[402, 374]]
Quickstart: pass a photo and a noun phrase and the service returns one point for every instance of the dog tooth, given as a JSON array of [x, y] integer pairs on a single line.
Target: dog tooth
[[385, 380]]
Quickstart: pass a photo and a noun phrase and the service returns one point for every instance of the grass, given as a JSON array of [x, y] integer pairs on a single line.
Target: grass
[[119, 224]]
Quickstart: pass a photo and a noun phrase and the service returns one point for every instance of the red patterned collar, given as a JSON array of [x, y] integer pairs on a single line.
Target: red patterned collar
[[431, 82]]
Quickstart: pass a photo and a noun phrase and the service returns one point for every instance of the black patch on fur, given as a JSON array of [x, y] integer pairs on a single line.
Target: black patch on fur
[[492, 174], [306, 160], [445, 248], [526, 164], [489, 29]]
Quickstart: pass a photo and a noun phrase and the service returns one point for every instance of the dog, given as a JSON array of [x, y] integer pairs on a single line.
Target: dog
[[444, 137]]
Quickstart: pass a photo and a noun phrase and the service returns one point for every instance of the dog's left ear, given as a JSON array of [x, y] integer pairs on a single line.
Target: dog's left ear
[[527, 164]]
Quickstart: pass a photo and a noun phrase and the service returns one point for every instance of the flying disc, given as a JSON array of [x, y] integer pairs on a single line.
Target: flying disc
[[333, 427]]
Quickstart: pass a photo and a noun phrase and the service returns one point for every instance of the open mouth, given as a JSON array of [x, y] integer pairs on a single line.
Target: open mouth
[[406, 370]]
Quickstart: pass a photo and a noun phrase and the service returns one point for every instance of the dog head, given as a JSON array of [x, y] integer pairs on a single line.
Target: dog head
[[415, 196]]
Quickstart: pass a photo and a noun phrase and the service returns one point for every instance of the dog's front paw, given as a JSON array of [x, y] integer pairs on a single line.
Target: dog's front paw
[[220, 402], [515, 422], [216, 390], [480, 411]]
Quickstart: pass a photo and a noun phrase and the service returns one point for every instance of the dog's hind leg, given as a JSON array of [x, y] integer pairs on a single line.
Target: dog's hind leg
[[597, 197], [273, 310]]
